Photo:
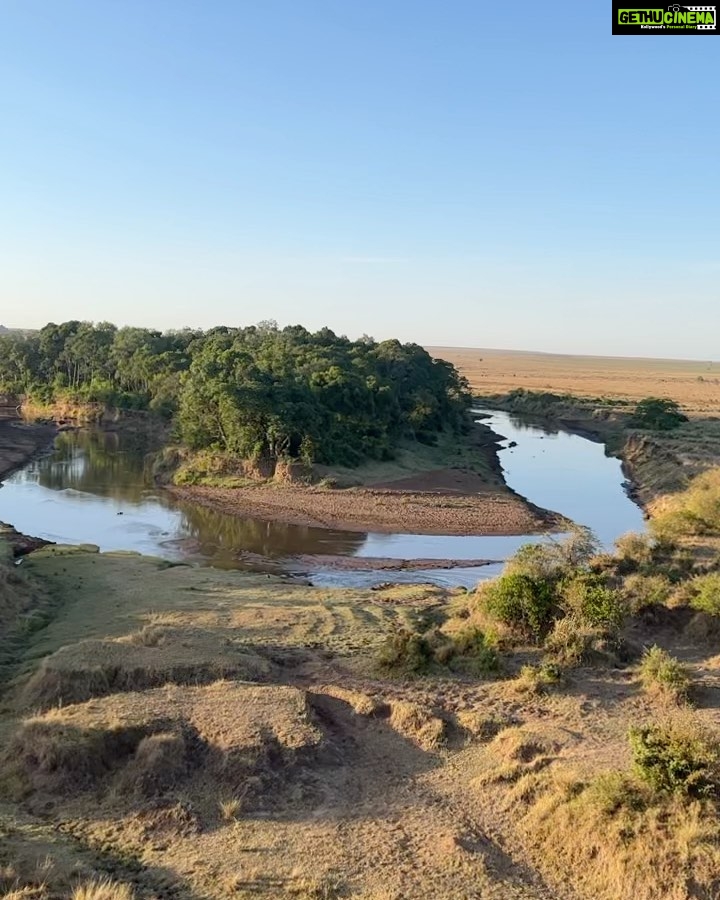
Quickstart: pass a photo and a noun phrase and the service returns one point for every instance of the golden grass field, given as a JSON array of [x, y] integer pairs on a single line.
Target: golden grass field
[[693, 384]]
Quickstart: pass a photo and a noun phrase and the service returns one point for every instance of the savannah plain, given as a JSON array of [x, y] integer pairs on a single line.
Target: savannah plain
[[170, 731]]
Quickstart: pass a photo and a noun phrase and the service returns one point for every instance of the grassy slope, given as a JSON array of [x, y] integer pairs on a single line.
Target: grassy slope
[[200, 733]]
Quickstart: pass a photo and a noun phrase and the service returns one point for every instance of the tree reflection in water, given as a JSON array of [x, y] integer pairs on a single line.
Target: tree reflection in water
[[117, 468]]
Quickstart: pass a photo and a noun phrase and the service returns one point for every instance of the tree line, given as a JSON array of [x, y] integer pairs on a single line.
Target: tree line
[[254, 392]]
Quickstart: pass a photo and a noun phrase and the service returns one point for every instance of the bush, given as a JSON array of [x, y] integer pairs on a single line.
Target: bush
[[679, 757], [695, 510], [521, 602], [657, 414], [415, 652], [634, 551], [474, 653], [659, 670], [706, 589], [573, 642], [643, 591], [588, 597], [535, 679], [553, 560], [406, 651], [612, 792]]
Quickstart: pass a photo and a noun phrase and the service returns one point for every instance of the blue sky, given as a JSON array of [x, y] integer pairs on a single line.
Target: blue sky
[[470, 174]]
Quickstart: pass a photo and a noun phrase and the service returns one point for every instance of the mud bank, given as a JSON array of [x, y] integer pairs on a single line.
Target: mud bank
[[449, 500], [382, 563], [20, 442], [489, 512]]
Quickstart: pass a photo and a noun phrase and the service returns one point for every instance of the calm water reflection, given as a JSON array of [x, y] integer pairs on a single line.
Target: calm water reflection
[[95, 488]]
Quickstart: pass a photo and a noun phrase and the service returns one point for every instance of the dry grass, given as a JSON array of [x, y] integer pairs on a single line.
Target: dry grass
[[104, 889], [417, 724], [230, 808], [693, 384], [324, 780]]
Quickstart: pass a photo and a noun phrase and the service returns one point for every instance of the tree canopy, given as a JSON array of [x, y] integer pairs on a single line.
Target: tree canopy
[[255, 392]]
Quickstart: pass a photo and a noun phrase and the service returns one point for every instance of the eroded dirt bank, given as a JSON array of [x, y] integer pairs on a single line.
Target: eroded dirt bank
[[20, 442]]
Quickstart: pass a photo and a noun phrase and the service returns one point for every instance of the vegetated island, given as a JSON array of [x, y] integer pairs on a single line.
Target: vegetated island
[[283, 424]]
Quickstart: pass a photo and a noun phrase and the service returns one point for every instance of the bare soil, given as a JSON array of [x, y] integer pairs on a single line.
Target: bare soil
[[443, 502]]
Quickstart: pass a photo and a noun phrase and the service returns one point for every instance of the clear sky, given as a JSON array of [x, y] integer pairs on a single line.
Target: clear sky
[[461, 173]]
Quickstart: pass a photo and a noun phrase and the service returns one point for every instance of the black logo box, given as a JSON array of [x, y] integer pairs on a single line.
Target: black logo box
[[617, 28]]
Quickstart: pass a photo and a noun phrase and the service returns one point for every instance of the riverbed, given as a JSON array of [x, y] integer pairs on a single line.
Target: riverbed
[[95, 488]]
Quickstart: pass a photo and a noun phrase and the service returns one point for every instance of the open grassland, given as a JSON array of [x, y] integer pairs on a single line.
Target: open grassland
[[693, 384], [179, 732]]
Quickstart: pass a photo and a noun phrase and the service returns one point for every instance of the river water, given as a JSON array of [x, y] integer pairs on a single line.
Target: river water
[[95, 488]]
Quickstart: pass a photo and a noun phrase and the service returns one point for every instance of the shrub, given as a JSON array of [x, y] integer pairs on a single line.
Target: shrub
[[552, 560], [415, 652], [658, 414], [659, 670], [521, 602], [535, 679], [588, 597], [573, 642], [406, 651], [634, 551], [643, 591], [706, 589], [678, 757], [695, 510], [474, 652], [611, 792]]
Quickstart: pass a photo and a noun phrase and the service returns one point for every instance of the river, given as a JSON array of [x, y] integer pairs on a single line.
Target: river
[[95, 488]]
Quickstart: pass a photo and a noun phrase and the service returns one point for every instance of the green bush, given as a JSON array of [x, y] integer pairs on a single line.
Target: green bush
[[679, 757], [657, 414], [660, 670], [634, 551], [521, 602], [588, 597], [416, 652], [406, 651], [612, 792], [553, 560], [473, 652], [706, 589]]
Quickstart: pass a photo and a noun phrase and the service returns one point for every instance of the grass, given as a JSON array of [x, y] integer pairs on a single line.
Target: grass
[[694, 384], [186, 698], [230, 808], [103, 889], [663, 673]]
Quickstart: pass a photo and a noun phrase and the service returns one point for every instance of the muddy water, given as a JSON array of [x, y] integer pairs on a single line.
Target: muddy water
[[95, 488]]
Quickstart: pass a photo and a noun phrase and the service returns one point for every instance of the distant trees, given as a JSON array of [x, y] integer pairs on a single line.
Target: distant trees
[[253, 392]]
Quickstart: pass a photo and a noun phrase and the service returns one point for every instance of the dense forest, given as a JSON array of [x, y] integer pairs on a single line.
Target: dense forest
[[255, 392]]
